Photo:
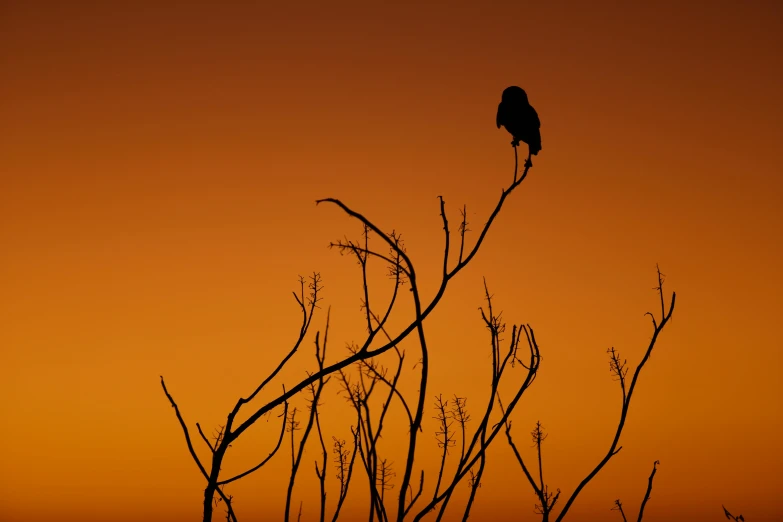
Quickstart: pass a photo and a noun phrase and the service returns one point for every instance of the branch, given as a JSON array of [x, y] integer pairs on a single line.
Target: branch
[[316, 391], [307, 317], [475, 480], [447, 436], [649, 490], [613, 449], [530, 478], [416, 426], [345, 469], [414, 498], [321, 473], [230, 515], [204, 437], [184, 429], [268, 457], [618, 506]]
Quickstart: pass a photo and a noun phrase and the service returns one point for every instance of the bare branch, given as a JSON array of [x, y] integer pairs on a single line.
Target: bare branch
[[463, 229], [459, 412], [475, 480], [618, 506], [184, 430], [204, 438], [649, 490], [284, 416], [613, 449], [315, 287], [521, 462], [618, 368], [444, 436], [413, 497], [296, 458], [447, 244], [345, 467]]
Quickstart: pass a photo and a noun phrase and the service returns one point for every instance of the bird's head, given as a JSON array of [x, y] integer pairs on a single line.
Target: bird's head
[[514, 94]]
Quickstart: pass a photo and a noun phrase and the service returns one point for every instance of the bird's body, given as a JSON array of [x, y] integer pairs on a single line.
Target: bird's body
[[520, 119]]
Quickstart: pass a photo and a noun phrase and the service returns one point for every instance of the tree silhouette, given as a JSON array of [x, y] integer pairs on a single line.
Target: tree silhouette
[[402, 269], [371, 388]]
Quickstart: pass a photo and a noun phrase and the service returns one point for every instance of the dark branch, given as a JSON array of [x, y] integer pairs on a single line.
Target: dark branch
[[613, 449], [649, 490]]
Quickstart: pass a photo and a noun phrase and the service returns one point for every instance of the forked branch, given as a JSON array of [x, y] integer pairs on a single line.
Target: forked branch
[[619, 371]]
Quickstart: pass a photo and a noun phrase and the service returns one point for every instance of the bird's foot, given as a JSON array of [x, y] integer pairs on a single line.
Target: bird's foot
[[515, 143], [528, 163]]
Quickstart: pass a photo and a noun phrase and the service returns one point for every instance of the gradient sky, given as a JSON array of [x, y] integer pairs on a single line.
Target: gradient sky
[[159, 163]]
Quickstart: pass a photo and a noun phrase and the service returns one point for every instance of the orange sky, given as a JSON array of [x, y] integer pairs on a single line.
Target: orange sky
[[158, 168]]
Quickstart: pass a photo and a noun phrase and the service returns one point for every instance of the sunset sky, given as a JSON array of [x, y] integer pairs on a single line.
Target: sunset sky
[[159, 166]]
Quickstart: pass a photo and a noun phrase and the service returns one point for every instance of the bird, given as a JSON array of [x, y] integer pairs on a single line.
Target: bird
[[520, 119]]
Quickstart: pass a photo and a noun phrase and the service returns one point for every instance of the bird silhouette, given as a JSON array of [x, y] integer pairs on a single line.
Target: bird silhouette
[[520, 119]]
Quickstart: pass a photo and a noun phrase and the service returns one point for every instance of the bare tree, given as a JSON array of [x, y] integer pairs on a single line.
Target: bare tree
[[373, 377], [402, 269]]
